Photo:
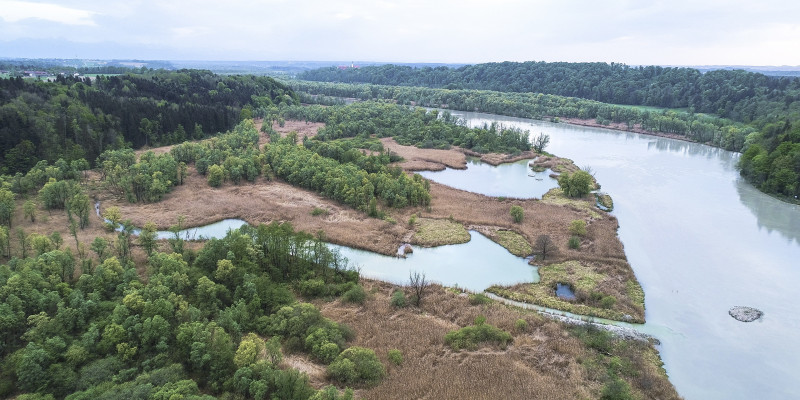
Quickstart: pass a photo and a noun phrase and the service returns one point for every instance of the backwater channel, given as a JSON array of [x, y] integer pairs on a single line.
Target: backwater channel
[[699, 238]]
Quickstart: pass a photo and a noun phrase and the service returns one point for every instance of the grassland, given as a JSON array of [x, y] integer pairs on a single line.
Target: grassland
[[545, 360]]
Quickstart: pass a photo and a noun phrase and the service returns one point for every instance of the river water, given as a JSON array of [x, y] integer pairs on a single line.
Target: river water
[[700, 240]]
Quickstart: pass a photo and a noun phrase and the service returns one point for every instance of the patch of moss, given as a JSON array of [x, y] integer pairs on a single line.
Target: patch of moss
[[635, 293], [436, 232], [513, 242], [581, 278], [556, 196]]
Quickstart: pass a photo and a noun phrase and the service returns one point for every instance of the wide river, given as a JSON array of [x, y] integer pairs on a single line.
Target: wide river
[[700, 240]]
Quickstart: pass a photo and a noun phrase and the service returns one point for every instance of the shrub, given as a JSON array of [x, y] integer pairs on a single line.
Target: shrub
[[479, 298], [412, 220], [357, 365], [355, 295], [319, 211], [516, 213], [399, 299], [396, 356], [521, 325], [574, 242], [469, 337], [216, 173], [312, 287], [577, 227]]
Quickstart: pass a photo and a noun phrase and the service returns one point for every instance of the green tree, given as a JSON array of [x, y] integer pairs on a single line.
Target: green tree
[[540, 142], [29, 208], [577, 227], [516, 214], [99, 246], [6, 207], [578, 184], [216, 174], [80, 206], [147, 237]]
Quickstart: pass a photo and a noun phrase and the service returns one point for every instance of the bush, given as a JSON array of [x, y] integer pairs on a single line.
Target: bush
[[357, 365], [577, 227], [479, 298], [319, 211], [396, 356], [399, 299], [516, 213], [312, 288], [469, 337], [355, 295], [216, 174], [574, 242], [578, 184], [521, 325]]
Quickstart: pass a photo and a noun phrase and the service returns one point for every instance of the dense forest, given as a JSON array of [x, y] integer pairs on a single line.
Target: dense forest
[[73, 118], [412, 126], [738, 95], [703, 128], [195, 325], [736, 110]]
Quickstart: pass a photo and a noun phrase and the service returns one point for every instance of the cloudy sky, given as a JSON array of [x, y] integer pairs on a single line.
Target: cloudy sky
[[676, 32]]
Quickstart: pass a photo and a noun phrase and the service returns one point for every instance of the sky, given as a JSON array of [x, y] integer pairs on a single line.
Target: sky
[[634, 32]]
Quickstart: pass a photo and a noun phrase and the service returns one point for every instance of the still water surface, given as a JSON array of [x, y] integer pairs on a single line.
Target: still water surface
[[700, 240]]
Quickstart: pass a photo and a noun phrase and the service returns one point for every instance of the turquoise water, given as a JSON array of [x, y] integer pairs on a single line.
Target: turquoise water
[[700, 240]]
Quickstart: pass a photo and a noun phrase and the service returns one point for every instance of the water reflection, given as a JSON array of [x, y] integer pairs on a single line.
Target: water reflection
[[771, 214]]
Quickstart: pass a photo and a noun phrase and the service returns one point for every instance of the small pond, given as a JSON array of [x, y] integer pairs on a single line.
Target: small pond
[[509, 180], [564, 291]]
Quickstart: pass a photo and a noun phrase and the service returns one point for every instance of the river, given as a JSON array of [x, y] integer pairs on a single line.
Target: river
[[700, 240]]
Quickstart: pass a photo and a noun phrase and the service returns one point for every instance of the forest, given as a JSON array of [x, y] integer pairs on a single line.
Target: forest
[[735, 94], [732, 109], [194, 325], [79, 118]]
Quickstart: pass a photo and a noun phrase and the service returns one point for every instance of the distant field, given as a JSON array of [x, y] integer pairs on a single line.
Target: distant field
[[652, 108]]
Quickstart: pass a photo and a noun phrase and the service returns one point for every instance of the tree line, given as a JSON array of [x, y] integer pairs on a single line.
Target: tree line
[[736, 94], [73, 117], [412, 126], [703, 128]]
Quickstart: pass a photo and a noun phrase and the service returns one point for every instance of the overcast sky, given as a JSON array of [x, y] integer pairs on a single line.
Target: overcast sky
[[675, 32]]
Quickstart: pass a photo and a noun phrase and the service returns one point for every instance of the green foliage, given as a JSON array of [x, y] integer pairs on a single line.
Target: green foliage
[[521, 325], [574, 242], [617, 389], [7, 205], [76, 119], [516, 214], [319, 211], [578, 184], [332, 393], [479, 298], [29, 210], [398, 299], [357, 365], [111, 334], [469, 337], [395, 356], [356, 295], [577, 227]]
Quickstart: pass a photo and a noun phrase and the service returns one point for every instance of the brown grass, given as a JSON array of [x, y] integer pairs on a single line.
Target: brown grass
[[543, 362], [264, 202]]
